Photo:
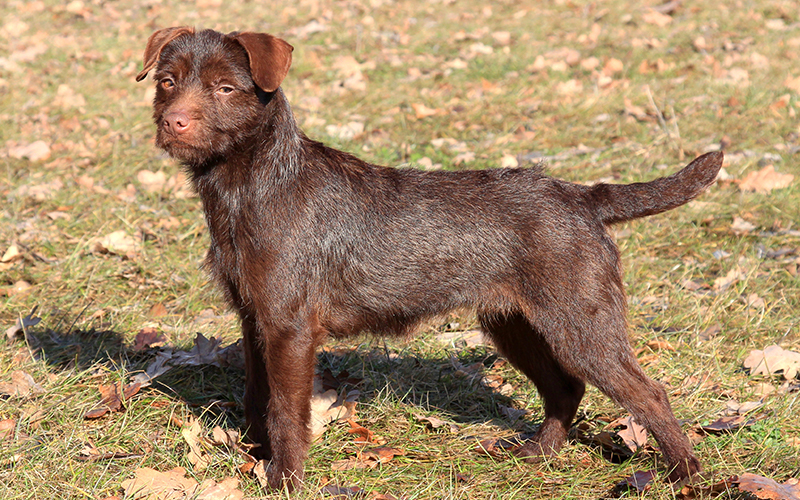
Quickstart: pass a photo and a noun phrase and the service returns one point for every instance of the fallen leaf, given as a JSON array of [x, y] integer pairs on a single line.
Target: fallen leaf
[[423, 111], [22, 324], [35, 151], [510, 413], [7, 428], [656, 18], [224, 437], [767, 488], [117, 243], [632, 433], [193, 435], [90, 453], [21, 385], [696, 490], [363, 435], [741, 227], [345, 132], [11, 254], [639, 481], [380, 455], [155, 369], [469, 338], [660, 345], [174, 485], [727, 424], [112, 399], [152, 182], [341, 492], [724, 282], [765, 180], [328, 407], [772, 360], [436, 423], [148, 337]]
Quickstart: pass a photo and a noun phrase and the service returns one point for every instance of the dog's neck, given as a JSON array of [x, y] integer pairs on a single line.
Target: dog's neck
[[274, 158]]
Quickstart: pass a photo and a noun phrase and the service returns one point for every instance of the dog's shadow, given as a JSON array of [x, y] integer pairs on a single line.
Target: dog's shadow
[[456, 384]]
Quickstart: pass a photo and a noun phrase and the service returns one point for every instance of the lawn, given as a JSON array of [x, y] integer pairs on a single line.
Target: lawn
[[101, 245]]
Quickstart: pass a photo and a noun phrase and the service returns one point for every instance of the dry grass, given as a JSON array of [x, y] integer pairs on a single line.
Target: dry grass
[[713, 74]]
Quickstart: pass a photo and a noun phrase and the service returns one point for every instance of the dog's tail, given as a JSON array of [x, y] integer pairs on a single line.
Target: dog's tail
[[623, 202]]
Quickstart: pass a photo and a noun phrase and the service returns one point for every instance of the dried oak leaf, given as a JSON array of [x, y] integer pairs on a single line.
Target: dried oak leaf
[[341, 492], [696, 490], [112, 397], [21, 325], [436, 423], [148, 337], [640, 481], [380, 455], [193, 435], [174, 485], [769, 489], [632, 433], [772, 360], [727, 424], [21, 385], [765, 180]]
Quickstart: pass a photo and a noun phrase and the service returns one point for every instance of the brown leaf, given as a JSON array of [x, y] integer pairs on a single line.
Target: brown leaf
[[639, 481], [423, 111], [381, 454], [773, 360], [363, 435], [695, 490], [767, 488], [660, 345], [148, 337], [632, 433], [727, 424], [21, 385], [174, 485], [91, 453], [117, 243], [765, 180], [112, 397], [436, 423], [342, 493], [152, 182], [22, 324], [35, 151], [7, 427], [656, 18], [224, 437], [193, 435]]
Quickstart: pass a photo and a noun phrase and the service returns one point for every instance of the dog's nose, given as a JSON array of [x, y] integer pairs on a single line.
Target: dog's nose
[[177, 122]]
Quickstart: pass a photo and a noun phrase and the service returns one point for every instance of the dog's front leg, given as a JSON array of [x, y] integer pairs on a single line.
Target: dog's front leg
[[280, 362]]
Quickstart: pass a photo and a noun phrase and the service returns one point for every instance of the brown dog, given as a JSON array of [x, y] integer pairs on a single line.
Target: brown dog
[[307, 242]]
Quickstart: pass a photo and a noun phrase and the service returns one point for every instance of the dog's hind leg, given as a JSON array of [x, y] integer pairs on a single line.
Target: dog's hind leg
[[618, 375], [594, 346], [561, 392]]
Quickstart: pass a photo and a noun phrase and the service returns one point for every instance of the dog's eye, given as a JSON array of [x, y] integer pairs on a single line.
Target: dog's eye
[[167, 83], [225, 90]]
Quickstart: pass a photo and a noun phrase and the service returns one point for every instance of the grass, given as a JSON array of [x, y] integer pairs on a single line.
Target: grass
[[67, 79]]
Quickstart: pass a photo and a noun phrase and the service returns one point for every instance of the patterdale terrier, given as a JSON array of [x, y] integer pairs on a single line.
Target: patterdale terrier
[[309, 242]]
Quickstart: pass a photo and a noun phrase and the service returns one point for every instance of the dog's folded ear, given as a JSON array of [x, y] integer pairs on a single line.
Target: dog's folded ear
[[156, 42], [270, 58]]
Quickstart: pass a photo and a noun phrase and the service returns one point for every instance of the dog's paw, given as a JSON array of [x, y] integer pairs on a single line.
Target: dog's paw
[[284, 478], [534, 452], [684, 470]]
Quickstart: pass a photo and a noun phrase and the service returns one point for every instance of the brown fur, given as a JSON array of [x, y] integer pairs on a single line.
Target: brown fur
[[307, 242]]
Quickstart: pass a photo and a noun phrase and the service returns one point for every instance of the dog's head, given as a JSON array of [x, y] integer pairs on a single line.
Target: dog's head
[[211, 88]]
